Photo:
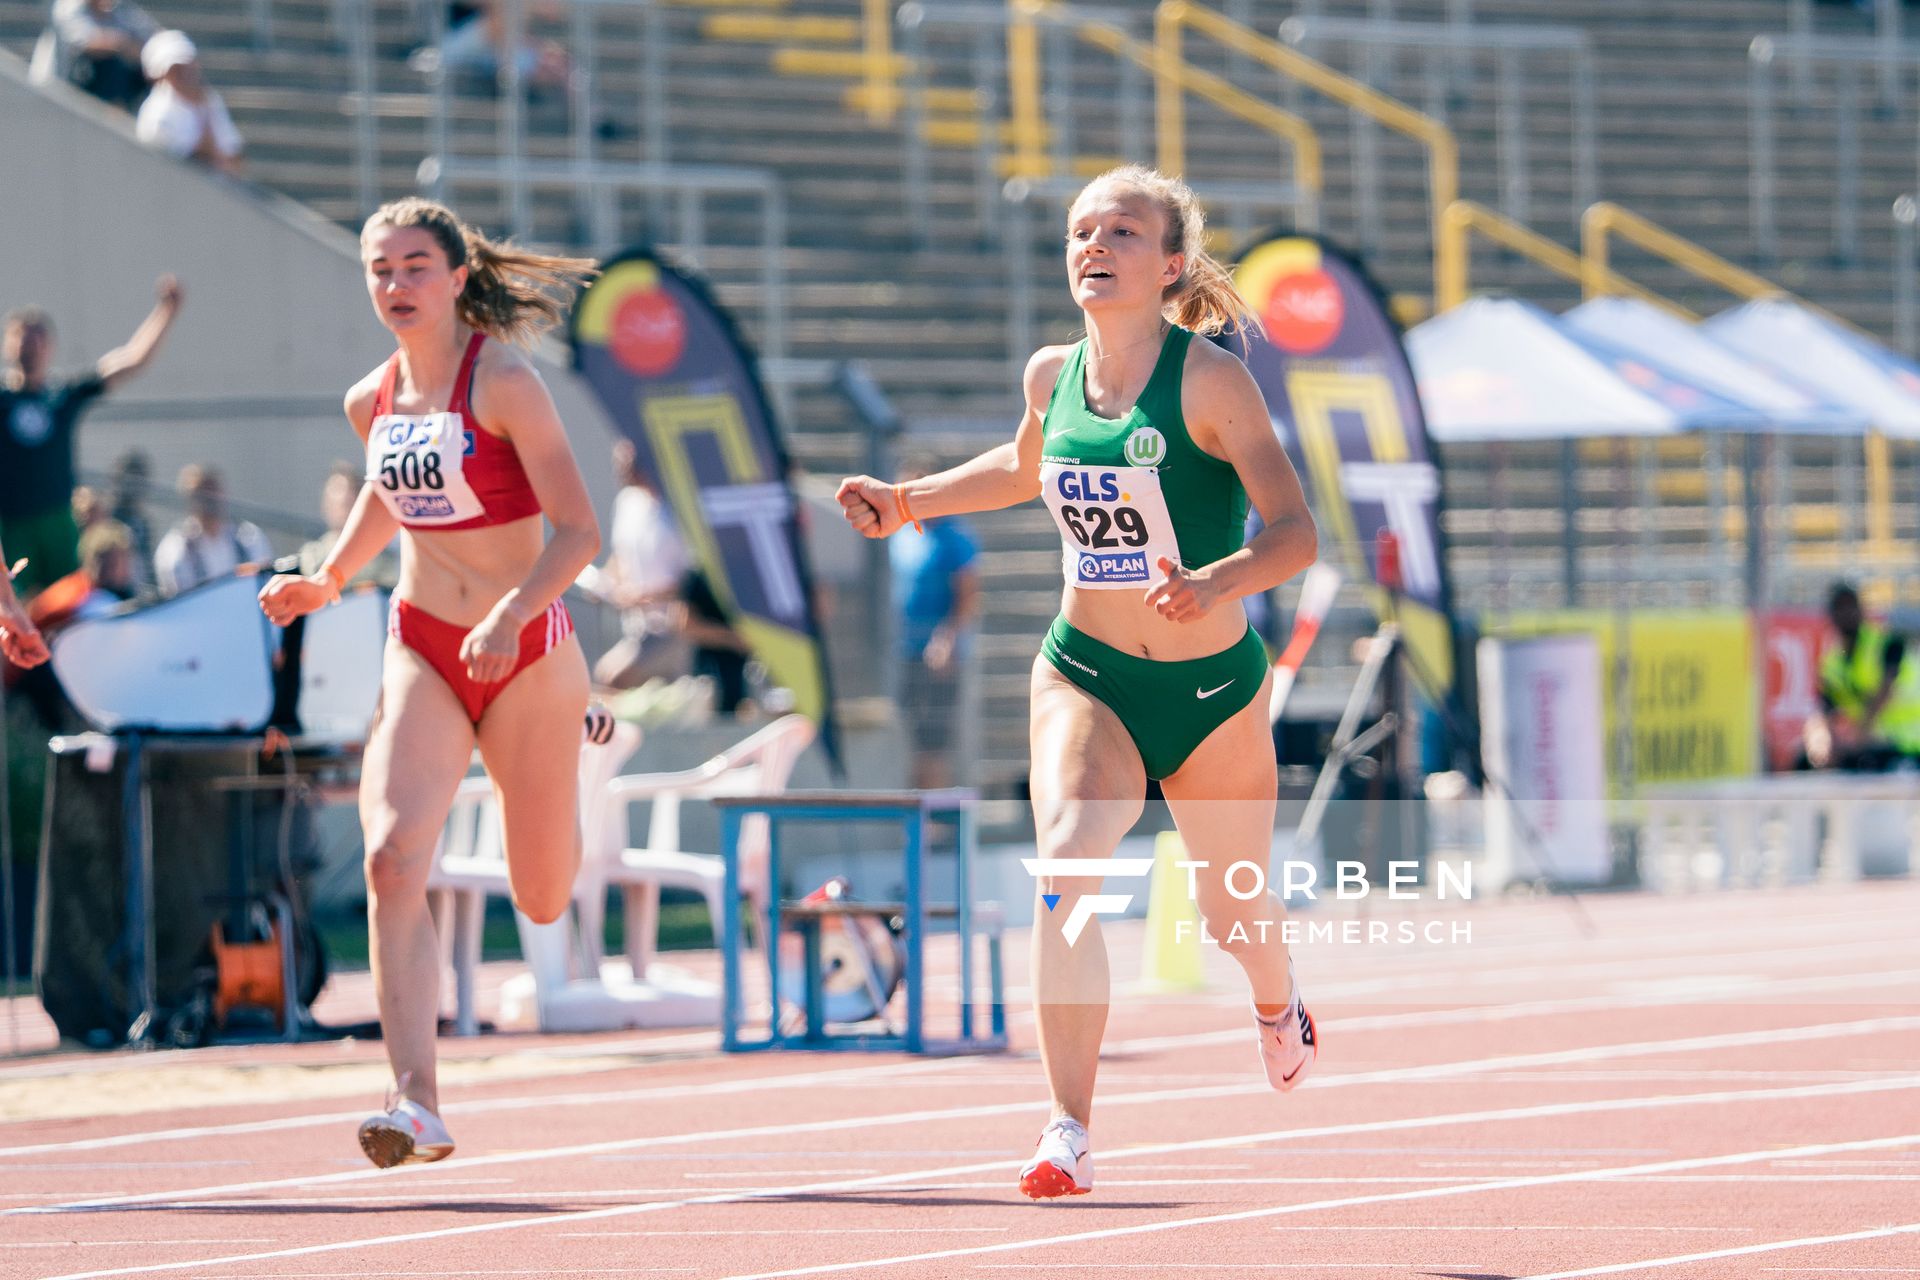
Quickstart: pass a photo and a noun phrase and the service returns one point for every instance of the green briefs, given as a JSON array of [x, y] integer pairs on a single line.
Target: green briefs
[[1168, 708], [49, 540]]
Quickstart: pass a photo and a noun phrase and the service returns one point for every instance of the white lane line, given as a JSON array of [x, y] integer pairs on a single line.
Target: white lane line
[[634, 1193], [1544, 1226], [791, 1231], [1387, 1076], [1846, 921], [915, 1176], [1804, 1242], [74, 1244], [1361, 1022], [1430, 1193], [716, 1088], [779, 1173], [1535, 1008], [1394, 1075], [1745, 1179], [67, 1064]]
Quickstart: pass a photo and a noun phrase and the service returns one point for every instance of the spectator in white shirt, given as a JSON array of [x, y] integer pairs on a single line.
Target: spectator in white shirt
[[207, 544], [642, 577], [182, 116]]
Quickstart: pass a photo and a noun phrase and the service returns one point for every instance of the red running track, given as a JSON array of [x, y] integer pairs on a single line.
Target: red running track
[[1713, 1086]]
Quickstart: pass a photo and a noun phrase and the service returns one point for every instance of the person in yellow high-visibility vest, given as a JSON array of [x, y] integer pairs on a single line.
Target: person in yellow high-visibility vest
[[1869, 693]]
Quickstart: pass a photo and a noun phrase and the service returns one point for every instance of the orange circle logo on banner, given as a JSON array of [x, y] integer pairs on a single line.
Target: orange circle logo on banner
[[648, 332], [1304, 312]]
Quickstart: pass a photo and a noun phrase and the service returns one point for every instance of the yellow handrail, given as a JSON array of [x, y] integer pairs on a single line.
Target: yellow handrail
[[1222, 93], [1606, 219], [1453, 257], [1023, 78], [877, 48], [1172, 18], [1023, 89]]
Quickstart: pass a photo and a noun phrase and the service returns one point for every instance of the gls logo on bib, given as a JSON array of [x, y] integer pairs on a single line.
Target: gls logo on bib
[[1146, 447]]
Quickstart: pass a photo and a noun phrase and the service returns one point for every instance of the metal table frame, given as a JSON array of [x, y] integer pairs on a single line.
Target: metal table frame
[[915, 811]]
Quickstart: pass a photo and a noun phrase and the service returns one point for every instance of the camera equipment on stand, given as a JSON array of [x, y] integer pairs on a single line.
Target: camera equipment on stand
[[1353, 748], [853, 963], [191, 782], [1384, 674]]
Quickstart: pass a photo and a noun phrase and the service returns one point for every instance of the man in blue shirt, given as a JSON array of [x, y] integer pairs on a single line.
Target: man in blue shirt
[[936, 592]]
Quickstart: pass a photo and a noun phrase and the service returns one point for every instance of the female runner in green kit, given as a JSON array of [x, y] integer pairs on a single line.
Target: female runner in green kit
[[1146, 446]]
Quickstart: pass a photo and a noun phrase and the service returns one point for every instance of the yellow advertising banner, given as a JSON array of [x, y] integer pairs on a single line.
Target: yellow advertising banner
[[1691, 675]]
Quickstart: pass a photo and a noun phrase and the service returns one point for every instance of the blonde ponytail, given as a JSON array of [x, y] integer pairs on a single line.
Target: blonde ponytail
[[512, 294], [1203, 299]]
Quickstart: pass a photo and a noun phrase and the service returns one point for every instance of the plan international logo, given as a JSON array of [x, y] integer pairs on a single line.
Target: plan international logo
[[1124, 567]]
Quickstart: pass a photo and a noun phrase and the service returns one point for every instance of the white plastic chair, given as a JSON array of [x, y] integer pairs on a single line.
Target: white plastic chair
[[470, 866], [759, 764]]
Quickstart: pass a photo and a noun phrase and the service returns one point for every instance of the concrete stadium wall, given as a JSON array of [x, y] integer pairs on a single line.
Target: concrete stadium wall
[[276, 323]]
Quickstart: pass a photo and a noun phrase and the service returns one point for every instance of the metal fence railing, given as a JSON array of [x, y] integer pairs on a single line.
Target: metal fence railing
[[1906, 288], [1449, 53], [1847, 59], [1887, 33], [601, 185], [1175, 19], [587, 94], [1030, 49]]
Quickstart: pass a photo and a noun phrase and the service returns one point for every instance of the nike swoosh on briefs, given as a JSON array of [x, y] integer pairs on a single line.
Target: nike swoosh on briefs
[[1208, 693]]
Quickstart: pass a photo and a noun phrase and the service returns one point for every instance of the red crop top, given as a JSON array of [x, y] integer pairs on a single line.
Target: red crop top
[[443, 470]]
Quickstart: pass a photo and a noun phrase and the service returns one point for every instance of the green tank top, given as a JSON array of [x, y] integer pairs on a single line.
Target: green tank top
[[1104, 479]]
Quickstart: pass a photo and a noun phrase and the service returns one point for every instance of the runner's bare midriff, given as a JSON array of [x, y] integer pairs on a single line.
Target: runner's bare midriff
[[458, 575], [1123, 620]]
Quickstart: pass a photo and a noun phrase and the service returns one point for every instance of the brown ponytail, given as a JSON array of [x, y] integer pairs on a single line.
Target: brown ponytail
[[512, 294], [1203, 299]]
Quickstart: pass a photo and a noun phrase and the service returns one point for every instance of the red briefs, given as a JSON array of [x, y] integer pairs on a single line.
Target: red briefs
[[438, 642]]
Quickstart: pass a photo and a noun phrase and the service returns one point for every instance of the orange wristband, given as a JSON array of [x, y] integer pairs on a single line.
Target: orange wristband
[[906, 514], [334, 575]]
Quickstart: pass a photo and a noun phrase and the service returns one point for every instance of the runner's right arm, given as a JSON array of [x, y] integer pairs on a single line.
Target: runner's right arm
[[19, 639], [1003, 476], [369, 528]]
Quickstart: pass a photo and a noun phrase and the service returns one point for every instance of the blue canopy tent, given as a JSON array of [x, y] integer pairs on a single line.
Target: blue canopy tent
[[1842, 366], [1499, 369], [1495, 370], [1845, 367], [1663, 339]]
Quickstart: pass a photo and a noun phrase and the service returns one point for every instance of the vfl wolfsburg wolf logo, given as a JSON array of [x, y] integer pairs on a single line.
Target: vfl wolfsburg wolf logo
[[1146, 447]]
